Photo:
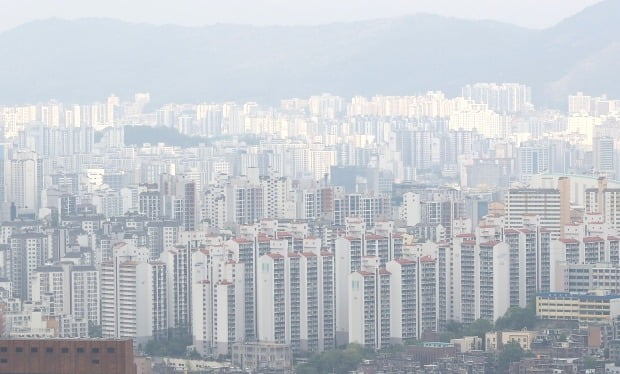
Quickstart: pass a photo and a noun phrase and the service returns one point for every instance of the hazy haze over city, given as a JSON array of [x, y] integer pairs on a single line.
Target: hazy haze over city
[[316, 187]]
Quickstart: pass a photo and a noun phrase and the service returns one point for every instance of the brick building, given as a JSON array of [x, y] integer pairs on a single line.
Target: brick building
[[66, 356]]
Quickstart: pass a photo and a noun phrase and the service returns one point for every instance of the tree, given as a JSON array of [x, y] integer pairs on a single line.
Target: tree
[[456, 330], [304, 369], [511, 352], [337, 361], [590, 362], [454, 327], [517, 318], [175, 346], [479, 328], [94, 331], [194, 355]]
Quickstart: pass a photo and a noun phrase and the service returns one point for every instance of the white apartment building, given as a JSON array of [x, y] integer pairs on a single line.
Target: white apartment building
[[544, 203], [583, 278], [411, 209], [427, 283], [604, 201], [244, 202], [494, 268], [348, 258], [403, 300], [587, 250], [74, 290], [369, 305], [202, 316], [295, 296], [85, 294], [277, 193], [28, 251], [133, 295], [464, 276], [149, 204], [214, 206], [524, 264], [218, 306], [52, 280], [271, 298], [244, 252], [481, 277], [24, 180], [178, 290], [161, 235]]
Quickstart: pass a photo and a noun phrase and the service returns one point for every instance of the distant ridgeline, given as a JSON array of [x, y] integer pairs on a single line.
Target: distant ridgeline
[[138, 135], [76, 60]]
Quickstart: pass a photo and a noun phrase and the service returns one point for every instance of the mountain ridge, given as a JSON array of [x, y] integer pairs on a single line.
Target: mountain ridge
[[87, 59]]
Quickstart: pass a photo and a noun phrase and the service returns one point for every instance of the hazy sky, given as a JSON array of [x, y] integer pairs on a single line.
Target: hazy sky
[[530, 13]]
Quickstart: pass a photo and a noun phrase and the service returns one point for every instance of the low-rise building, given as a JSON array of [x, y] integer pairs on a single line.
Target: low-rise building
[[467, 344], [193, 366], [262, 356], [497, 339], [584, 308], [430, 352]]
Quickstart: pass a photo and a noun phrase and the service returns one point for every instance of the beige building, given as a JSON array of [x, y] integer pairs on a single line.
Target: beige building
[[495, 340], [468, 344], [144, 365]]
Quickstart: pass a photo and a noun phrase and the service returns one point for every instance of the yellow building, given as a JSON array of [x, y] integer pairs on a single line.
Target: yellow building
[[584, 308]]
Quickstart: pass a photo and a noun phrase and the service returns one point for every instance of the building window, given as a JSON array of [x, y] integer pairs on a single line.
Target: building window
[[4, 349], [34, 350], [49, 350], [80, 350], [19, 349], [95, 350], [65, 350], [3, 360], [96, 362], [111, 350]]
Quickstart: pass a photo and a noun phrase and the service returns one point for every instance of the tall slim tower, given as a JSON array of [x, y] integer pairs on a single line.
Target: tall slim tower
[[25, 180], [111, 109], [603, 154], [564, 187]]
